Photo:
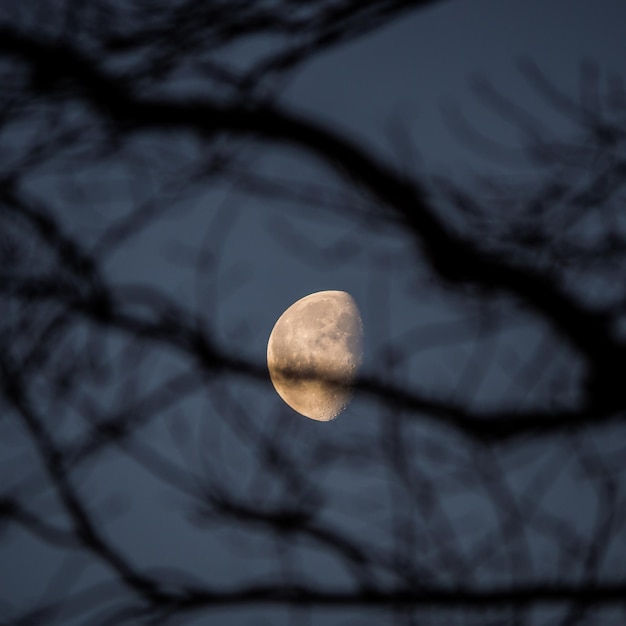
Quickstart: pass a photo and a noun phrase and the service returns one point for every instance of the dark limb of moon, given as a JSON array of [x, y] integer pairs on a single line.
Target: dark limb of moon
[[314, 352]]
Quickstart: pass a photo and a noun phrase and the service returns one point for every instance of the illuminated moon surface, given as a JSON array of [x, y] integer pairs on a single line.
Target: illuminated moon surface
[[314, 352]]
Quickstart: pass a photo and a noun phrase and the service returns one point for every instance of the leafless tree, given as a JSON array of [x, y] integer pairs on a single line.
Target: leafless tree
[[150, 475]]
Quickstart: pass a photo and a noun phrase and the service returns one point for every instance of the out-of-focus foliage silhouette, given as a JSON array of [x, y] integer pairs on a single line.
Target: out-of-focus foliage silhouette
[[444, 504]]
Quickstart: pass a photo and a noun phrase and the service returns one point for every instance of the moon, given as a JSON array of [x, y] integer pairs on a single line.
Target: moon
[[314, 352]]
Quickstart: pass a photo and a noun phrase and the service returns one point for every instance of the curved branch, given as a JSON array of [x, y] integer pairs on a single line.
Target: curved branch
[[457, 260]]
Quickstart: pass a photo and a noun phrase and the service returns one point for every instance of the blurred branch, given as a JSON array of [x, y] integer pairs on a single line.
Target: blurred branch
[[455, 259]]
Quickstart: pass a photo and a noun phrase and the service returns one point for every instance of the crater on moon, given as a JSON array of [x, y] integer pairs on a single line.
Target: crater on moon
[[314, 352]]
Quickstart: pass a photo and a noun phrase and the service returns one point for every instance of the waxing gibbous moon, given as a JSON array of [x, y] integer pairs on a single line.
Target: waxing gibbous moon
[[314, 352]]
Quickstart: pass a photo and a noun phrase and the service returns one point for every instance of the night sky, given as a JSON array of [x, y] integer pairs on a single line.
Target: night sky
[[237, 260]]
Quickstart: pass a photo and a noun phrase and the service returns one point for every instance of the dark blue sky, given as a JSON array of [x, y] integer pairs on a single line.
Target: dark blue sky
[[272, 253]]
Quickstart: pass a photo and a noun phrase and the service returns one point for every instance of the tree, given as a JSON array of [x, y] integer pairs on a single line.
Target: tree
[[492, 492]]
